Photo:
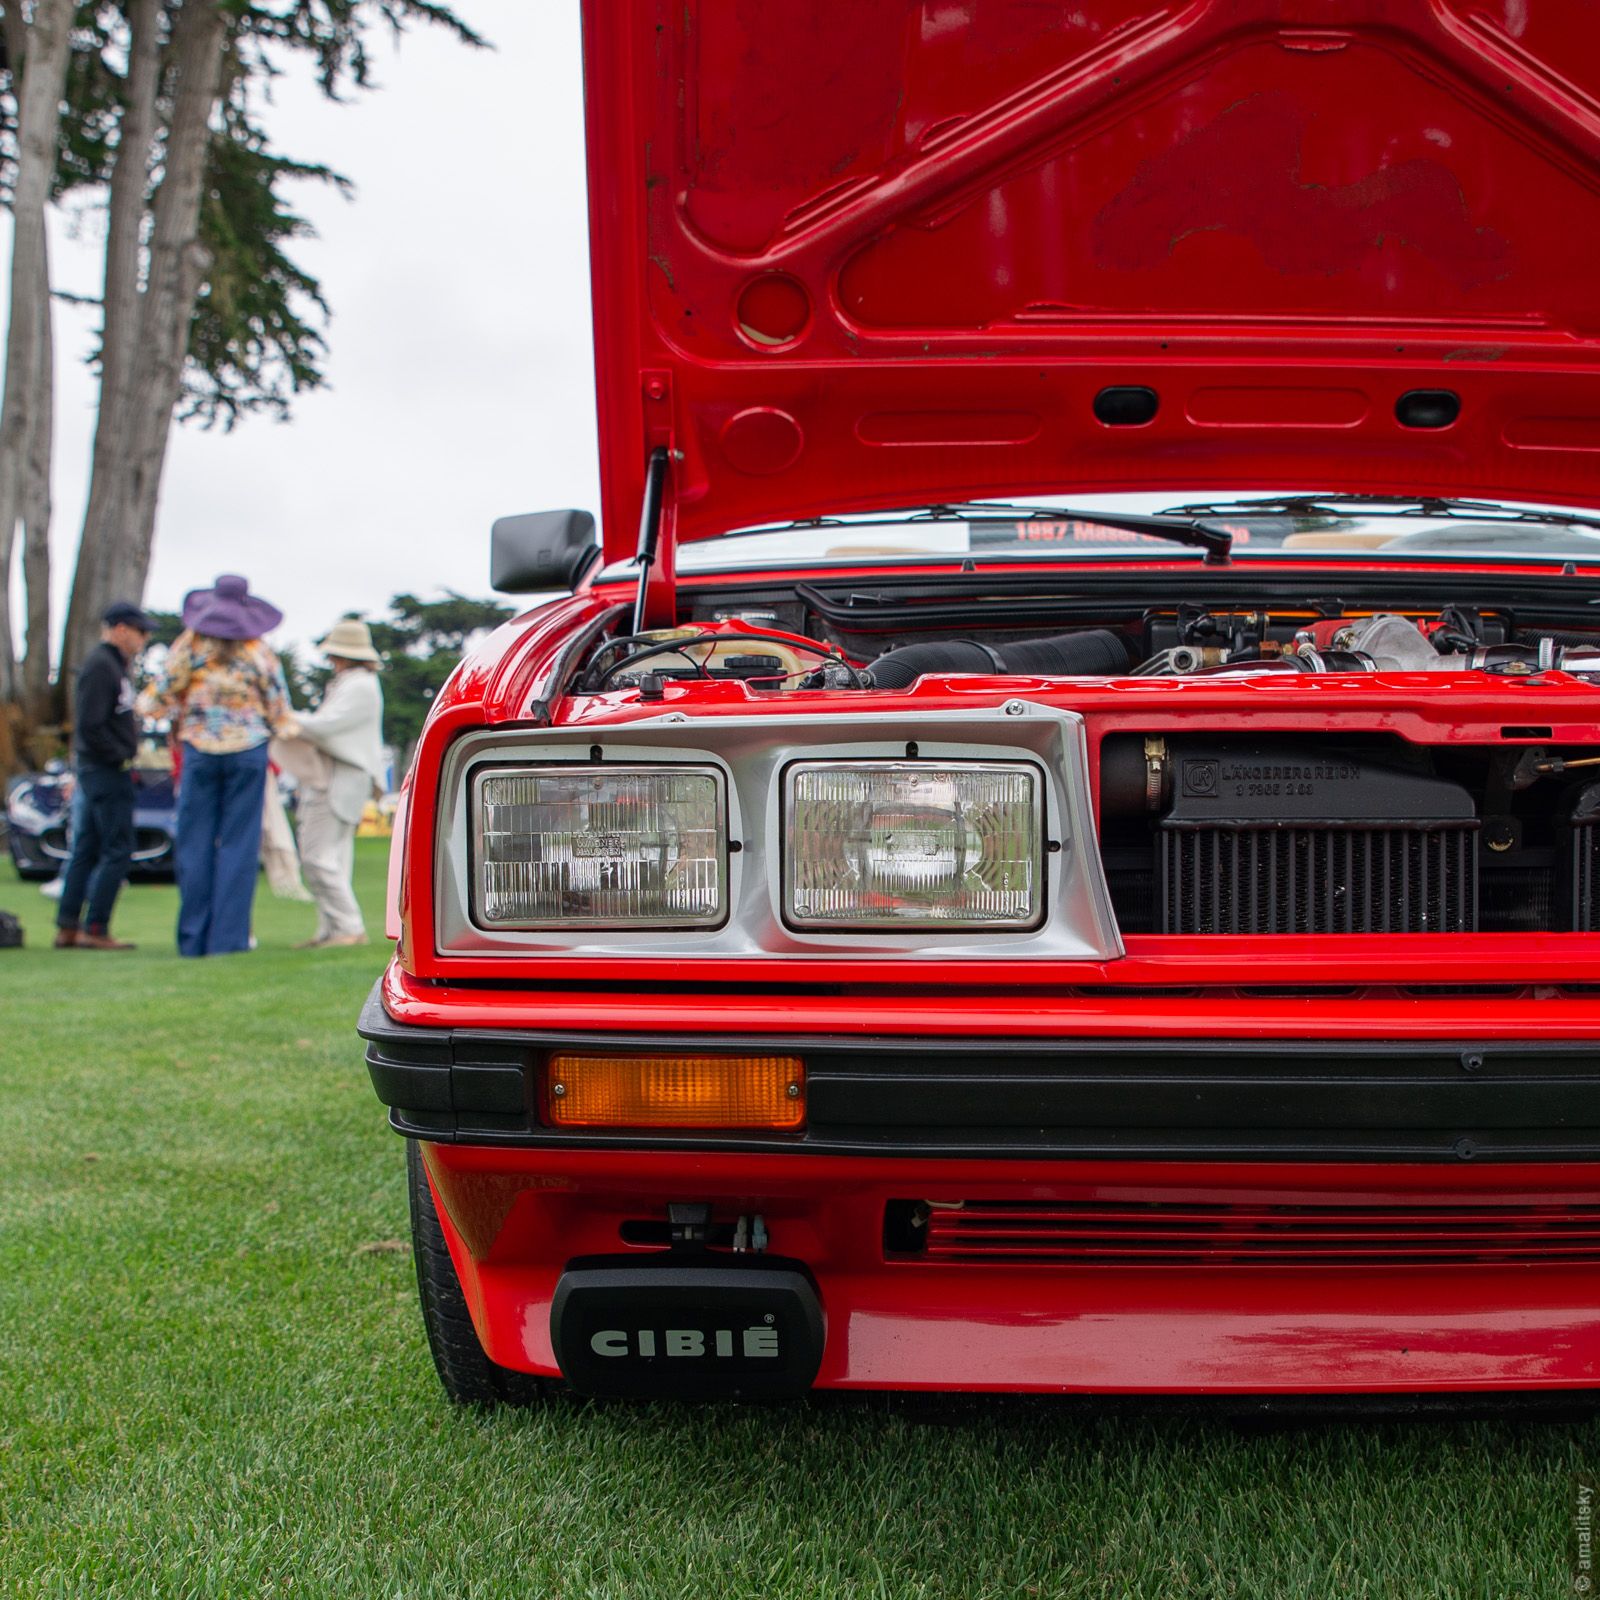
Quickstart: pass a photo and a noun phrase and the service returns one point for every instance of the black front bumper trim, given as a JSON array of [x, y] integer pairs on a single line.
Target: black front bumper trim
[[1040, 1098]]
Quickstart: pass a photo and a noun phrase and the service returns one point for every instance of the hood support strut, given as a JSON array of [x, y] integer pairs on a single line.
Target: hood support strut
[[655, 478]]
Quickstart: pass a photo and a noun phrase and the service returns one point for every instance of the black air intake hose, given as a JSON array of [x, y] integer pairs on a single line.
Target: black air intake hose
[[1097, 653]]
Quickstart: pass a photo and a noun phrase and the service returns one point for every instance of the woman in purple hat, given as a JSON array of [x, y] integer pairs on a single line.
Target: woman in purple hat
[[224, 692]]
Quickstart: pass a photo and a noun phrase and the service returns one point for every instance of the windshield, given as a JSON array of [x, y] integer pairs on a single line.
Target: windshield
[[1287, 526]]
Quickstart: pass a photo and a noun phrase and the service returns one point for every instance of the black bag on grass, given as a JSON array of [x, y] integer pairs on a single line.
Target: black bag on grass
[[10, 932]]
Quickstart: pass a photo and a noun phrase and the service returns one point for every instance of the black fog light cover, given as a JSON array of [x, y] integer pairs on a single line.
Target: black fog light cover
[[661, 1329]]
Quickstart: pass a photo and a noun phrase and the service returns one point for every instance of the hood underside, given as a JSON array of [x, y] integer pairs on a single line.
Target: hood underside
[[853, 254]]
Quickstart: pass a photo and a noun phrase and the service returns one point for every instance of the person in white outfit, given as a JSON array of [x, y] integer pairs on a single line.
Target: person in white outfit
[[338, 760]]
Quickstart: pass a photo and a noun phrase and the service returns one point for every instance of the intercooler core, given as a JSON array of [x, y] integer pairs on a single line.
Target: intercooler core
[[1582, 841], [1286, 839]]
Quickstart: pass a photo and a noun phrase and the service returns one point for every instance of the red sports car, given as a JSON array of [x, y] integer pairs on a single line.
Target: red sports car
[[1054, 842]]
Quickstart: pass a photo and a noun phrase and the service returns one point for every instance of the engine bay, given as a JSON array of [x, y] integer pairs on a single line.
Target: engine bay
[[783, 648]]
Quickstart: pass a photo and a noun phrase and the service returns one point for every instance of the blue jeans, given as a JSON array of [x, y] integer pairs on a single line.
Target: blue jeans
[[102, 846], [219, 848]]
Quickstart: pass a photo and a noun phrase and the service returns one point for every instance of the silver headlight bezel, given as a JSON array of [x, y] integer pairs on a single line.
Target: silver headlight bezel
[[802, 923], [750, 751], [487, 771]]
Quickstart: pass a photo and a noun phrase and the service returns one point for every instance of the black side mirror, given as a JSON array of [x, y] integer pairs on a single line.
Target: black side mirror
[[541, 550]]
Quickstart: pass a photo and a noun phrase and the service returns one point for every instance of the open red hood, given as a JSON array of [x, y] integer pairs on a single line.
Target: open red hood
[[863, 252]]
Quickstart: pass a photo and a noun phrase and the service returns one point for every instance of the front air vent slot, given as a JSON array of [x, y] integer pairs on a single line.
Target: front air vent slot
[[1248, 878], [1137, 1233]]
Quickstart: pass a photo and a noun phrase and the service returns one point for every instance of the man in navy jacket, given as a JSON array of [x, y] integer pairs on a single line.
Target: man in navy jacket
[[105, 740]]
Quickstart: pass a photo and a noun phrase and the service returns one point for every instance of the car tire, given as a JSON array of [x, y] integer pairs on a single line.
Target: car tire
[[469, 1377]]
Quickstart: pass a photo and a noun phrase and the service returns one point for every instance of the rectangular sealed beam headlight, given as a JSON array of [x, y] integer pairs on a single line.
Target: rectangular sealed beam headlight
[[648, 1091], [914, 844], [600, 846]]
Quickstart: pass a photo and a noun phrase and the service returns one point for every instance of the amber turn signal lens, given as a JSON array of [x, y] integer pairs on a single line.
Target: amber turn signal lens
[[675, 1092]]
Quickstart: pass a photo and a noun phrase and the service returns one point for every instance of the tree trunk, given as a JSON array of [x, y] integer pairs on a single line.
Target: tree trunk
[[129, 190], [44, 76], [178, 266], [121, 304], [36, 514], [14, 30], [136, 412]]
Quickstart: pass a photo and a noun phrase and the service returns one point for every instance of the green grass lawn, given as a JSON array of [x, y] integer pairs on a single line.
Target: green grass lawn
[[213, 1380]]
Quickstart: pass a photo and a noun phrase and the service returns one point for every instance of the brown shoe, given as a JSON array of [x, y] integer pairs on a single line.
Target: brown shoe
[[312, 944], [101, 941], [66, 938], [338, 941]]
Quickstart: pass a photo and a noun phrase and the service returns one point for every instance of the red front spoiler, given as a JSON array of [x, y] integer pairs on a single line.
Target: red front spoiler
[[513, 1218]]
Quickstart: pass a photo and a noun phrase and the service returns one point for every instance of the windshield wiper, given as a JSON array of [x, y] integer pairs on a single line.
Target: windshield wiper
[[1216, 542], [1380, 505]]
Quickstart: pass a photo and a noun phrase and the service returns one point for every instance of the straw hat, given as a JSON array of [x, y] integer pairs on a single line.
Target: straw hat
[[351, 640]]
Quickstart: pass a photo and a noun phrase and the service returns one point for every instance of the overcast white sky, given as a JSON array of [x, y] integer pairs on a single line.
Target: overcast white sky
[[460, 365]]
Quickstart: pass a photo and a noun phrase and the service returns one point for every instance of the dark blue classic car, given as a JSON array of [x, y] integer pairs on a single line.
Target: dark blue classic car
[[39, 806]]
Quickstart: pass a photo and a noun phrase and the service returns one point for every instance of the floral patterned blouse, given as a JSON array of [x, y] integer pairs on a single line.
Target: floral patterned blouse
[[219, 702]]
